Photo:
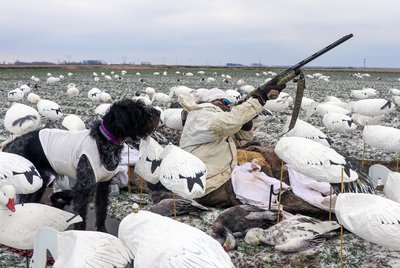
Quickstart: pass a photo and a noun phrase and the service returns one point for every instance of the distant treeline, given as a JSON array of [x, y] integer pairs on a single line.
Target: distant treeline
[[85, 62]]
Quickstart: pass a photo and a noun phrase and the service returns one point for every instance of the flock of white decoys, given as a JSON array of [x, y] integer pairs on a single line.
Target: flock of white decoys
[[150, 240]]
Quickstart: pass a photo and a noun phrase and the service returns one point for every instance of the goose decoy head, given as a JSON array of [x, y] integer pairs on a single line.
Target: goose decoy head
[[7, 197]]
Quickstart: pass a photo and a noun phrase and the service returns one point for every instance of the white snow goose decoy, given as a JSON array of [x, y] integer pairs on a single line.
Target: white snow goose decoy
[[306, 130], [73, 123], [173, 118], [21, 118], [372, 107], [279, 104], [18, 229], [20, 173], [382, 137], [323, 108], [338, 123], [367, 120], [365, 93], [182, 173], [79, 249], [371, 217], [94, 94], [314, 160], [102, 109], [72, 91], [15, 95], [181, 245], [49, 109]]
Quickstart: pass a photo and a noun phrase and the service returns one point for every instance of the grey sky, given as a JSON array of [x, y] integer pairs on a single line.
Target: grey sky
[[201, 32]]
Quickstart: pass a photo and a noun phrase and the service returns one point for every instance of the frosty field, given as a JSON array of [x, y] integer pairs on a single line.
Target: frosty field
[[358, 252]]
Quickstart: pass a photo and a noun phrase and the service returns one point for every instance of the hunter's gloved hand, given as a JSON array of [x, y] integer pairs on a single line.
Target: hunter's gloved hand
[[268, 91]]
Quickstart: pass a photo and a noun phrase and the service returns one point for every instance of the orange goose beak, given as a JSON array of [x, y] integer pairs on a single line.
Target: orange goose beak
[[11, 205]]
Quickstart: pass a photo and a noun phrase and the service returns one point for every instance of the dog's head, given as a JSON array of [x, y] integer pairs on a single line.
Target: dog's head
[[131, 118]]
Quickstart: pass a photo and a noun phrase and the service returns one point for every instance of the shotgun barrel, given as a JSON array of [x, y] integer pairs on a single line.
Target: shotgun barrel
[[292, 72]]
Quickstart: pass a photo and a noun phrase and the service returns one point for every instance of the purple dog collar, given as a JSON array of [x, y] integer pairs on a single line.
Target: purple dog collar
[[109, 136]]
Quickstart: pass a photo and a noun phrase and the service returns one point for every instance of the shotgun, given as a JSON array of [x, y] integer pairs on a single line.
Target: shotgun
[[294, 71]]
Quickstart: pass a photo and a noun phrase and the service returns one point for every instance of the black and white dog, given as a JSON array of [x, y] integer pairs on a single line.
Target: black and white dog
[[90, 156]]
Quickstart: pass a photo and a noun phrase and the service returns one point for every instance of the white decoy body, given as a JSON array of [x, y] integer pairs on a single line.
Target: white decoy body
[[20, 173], [364, 93], [33, 98], [338, 103], [79, 249], [180, 90], [161, 98], [52, 80], [372, 107], [148, 164], [234, 95], [291, 235], [150, 91], [21, 118], [367, 120], [338, 123], [94, 94], [247, 88], [173, 118], [158, 241], [102, 109], [314, 160], [394, 91], [396, 100], [382, 137], [371, 92], [49, 109], [278, 104], [73, 123], [305, 103], [182, 173], [210, 79], [18, 229], [371, 217], [72, 92], [25, 88], [306, 130], [332, 99], [392, 187], [323, 108], [15, 95], [105, 97]]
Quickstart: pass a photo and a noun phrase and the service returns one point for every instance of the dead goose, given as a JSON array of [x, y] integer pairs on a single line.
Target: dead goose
[[291, 235], [235, 221]]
